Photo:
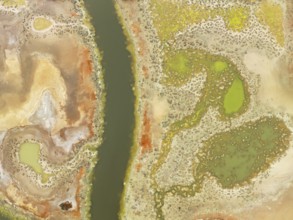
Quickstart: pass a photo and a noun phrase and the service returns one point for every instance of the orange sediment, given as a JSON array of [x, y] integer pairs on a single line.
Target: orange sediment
[[138, 167], [145, 71], [146, 140], [86, 91]]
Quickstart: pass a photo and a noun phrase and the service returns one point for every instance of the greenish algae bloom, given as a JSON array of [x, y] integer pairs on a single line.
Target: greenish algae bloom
[[219, 66], [29, 154], [235, 97]]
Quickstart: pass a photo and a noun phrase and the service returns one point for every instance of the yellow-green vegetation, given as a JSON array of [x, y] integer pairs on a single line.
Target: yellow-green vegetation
[[179, 67], [236, 18], [170, 17], [11, 3], [219, 66], [29, 154], [235, 97], [271, 14], [236, 156], [41, 23]]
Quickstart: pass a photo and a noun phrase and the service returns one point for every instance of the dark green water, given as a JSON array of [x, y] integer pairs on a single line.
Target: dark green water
[[119, 119]]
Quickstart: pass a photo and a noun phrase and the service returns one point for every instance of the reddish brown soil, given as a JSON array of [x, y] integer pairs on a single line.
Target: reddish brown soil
[[87, 95], [146, 140]]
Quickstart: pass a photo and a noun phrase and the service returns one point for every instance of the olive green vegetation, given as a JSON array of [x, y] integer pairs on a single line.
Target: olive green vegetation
[[29, 154], [181, 15], [224, 89], [271, 14], [236, 156]]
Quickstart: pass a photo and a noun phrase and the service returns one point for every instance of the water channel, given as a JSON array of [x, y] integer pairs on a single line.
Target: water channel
[[119, 111]]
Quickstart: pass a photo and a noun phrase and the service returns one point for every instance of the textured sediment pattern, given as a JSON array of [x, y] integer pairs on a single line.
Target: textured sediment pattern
[[51, 108], [214, 113]]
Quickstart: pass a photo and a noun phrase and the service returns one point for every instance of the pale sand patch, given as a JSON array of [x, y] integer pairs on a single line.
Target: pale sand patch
[[47, 77], [278, 186], [272, 92], [277, 210], [160, 108]]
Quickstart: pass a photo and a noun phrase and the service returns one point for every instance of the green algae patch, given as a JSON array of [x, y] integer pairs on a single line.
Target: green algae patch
[[236, 156], [41, 23], [29, 154], [219, 66], [271, 15], [178, 67], [179, 63], [235, 97]]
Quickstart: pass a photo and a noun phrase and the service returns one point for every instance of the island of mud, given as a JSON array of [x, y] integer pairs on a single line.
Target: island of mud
[[214, 109], [51, 108]]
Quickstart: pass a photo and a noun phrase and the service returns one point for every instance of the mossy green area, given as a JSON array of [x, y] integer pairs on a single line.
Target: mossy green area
[[29, 154], [236, 156], [180, 66], [170, 17], [271, 14], [221, 87], [235, 97], [224, 87], [223, 80]]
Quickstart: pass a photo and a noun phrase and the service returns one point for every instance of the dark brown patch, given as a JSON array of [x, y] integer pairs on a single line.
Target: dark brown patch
[[66, 205]]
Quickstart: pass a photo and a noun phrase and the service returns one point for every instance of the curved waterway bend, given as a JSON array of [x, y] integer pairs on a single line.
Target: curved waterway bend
[[114, 153]]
